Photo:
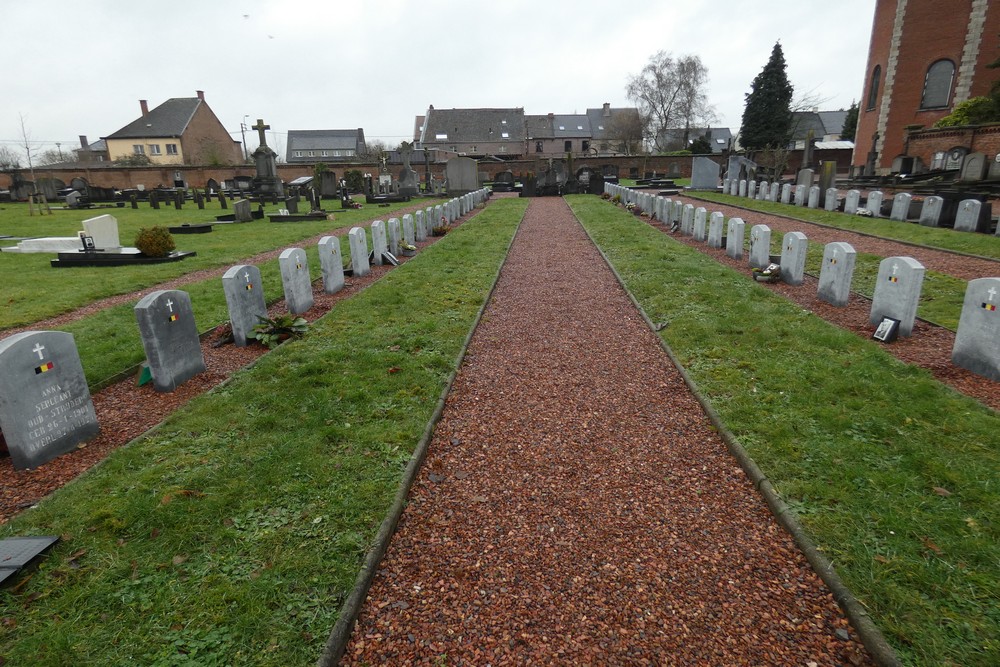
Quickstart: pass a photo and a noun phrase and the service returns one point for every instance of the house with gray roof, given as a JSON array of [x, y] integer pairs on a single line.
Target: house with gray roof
[[719, 138], [824, 125], [558, 134], [615, 130], [475, 133], [311, 146], [182, 130]]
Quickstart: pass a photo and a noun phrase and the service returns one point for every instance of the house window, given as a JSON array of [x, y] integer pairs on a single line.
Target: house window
[[349, 152], [441, 137], [562, 127], [474, 149], [579, 127], [503, 148], [586, 146], [138, 149], [600, 127], [568, 146], [325, 153], [154, 149], [171, 149], [312, 153], [505, 135], [298, 153], [503, 122], [937, 85], [538, 147], [873, 88]]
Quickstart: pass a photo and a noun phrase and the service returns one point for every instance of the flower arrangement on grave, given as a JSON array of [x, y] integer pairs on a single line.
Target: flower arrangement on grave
[[440, 230], [768, 274], [407, 250], [617, 199], [154, 241], [274, 331], [864, 213]]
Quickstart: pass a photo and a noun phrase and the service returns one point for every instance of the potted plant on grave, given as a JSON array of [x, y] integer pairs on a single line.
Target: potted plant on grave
[[407, 250], [154, 241], [274, 331]]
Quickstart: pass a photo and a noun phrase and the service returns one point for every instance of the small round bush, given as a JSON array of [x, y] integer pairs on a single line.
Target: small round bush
[[154, 242]]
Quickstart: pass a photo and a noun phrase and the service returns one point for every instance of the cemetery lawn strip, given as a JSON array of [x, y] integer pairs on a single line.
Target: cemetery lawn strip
[[891, 473], [982, 245], [232, 533], [27, 276]]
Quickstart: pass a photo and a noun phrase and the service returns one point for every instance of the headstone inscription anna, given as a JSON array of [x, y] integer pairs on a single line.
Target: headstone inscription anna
[[295, 280], [45, 406], [977, 341], [169, 338], [245, 300]]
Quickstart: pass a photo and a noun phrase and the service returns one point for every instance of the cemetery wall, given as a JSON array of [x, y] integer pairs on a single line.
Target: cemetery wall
[[983, 139]]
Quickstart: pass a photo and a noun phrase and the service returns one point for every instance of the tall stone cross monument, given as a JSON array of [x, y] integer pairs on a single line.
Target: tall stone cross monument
[[266, 182]]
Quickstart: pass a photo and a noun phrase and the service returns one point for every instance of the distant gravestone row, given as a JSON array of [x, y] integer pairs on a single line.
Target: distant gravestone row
[[897, 288], [45, 404]]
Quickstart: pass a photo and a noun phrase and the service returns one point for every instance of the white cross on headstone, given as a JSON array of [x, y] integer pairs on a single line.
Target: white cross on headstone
[[170, 305], [38, 349], [992, 292], [895, 268], [246, 275]]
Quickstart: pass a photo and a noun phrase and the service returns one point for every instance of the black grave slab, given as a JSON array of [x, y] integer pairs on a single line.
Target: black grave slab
[[302, 217], [16, 553], [204, 228], [121, 257]]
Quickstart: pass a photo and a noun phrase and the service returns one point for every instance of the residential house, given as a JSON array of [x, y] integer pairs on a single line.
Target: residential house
[[825, 126], [720, 138], [558, 134], [310, 146], [182, 130], [475, 133], [614, 130], [92, 152]]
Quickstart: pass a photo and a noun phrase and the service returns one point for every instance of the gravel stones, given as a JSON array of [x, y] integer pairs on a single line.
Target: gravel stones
[[598, 518]]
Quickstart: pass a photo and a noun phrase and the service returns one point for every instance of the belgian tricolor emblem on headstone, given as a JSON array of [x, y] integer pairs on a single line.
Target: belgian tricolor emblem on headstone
[[47, 366], [249, 286], [989, 306], [893, 279], [173, 317]]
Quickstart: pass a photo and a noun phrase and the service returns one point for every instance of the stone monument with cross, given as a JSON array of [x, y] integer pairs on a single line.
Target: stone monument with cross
[[266, 182], [409, 182]]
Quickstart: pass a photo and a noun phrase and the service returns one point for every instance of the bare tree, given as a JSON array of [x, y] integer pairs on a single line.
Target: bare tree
[[670, 94], [50, 156], [10, 164], [26, 142], [626, 129]]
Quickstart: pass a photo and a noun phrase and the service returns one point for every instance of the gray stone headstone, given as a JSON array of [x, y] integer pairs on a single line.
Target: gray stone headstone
[[437, 219], [762, 191], [897, 292], [419, 229], [900, 206], [241, 211], [359, 252], [292, 204], [704, 174], [725, 186], [805, 177], [760, 246], [977, 341], [677, 211], [852, 202], [687, 220], [429, 221], [295, 280], [699, 230], [715, 226], [245, 299], [734, 238], [969, 216], [734, 186], [380, 243], [827, 180], [794, 247], [395, 234], [814, 197], [830, 203], [331, 264], [45, 406], [836, 273], [801, 192], [170, 338], [775, 192], [874, 203], [752, 190], [786, 193], [743, 188], [974, 167], [930, 212], [462, 175], [104, 230], [409, 235]]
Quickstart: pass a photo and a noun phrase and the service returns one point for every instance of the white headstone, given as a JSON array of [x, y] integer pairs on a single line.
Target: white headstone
[[775, 192], [359, 252], [801, 192], [794, 247], [752, 190], [699, 231], [930, 212], [786, 193], [874, 203], [409, 235], [977, 341], [104, 229], [852, 201], [760, 246], [169, 338], [380, 244], [715, 225], [836, 273], [687, 220], [395, 233], [968, 215], [331, 264], [897, 292], [245, 299], [900, 206], [813, 198], [295, 280], [830, 203], [734, 238], [743, 188]]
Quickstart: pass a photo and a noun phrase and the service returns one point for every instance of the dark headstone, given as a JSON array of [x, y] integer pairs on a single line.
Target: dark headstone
[[169, 338]]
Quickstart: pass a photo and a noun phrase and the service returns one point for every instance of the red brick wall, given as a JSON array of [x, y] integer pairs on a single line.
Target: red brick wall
[[878, 54], [925, 143], [213, 144]]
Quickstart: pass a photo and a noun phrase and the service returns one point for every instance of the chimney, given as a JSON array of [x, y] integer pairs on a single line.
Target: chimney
[[83, 141], [145, 107], [607, 109], [201, 95]]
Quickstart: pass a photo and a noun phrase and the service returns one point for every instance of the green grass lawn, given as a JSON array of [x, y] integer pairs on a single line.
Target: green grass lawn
[[33, 290], [893, 474], [231, 534]]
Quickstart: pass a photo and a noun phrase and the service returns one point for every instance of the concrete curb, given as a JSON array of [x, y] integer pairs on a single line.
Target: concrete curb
[[336, 644], [868, 632]]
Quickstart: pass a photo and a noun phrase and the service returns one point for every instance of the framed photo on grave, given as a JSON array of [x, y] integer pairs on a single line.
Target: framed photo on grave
[[88, 242], [887, 330]]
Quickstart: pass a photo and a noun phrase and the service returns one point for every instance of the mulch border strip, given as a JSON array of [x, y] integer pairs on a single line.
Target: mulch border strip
[[340, 635], [869, 633]]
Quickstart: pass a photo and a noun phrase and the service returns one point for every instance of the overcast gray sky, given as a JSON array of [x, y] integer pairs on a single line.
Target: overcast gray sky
[[80, 67]]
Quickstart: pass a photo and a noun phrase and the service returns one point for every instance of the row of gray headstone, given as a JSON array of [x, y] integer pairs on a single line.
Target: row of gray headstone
[[45, 404], [897, 288], [970, 215]]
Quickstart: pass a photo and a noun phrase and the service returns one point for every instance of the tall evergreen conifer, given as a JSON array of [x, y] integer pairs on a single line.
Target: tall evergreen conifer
[[767, 117]]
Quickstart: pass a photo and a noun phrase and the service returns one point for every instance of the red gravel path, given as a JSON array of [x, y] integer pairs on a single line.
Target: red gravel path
[[576, 507]]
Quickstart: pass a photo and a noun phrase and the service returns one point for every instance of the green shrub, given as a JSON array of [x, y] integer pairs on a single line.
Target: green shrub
[[154, 241], [973, 111]]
